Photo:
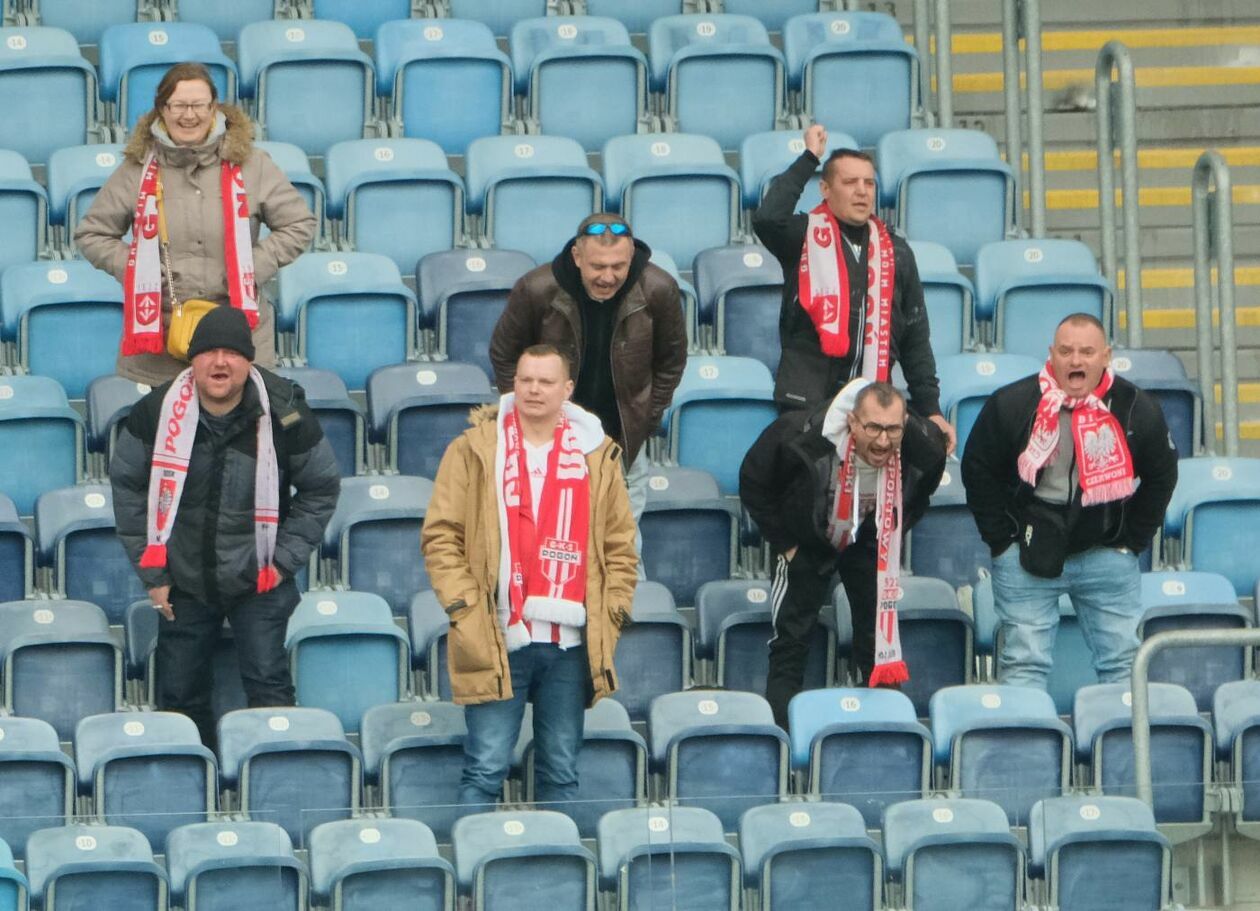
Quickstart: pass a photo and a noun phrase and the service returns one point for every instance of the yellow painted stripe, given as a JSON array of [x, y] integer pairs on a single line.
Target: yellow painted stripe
[[1092, 40], [1146, 77], [1245, 195], [1247, 430], [1183, 318], [1177, 277], [1150, 159], [1248, 393]]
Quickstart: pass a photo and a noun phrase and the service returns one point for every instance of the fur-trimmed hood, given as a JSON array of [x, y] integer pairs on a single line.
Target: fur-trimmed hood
[[235, 144]]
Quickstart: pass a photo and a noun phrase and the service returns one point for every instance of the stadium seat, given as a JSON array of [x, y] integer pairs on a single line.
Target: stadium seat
[[428, 625], [340, 417], [653, 653], [686, 294], [13, 891], [794, 854], [42, 70], [94, 867], [136, 55], [235, 866], [109, 400], [416, 410], [75, 174], [346, 654], [226, 19], [764, 156], [1161, 374], [413, 755], [462, 293], [689, 531], [88, 22], [60, 314], [945, 544], [61, 663], [1001, 743], [936, 638], [1213, 508], [147, 770], [291, 766], [297, 168], [41, 439], [362, 864], [665, 858], [531, 192], [1200, 669], [579, 76], [740, 290], [1098, 852], [499, 15], [532, 860], [375, 535], [947, 186], [76, 538], [37, 785], [719, 75], [953, 853], [309, 82], [351, 311], [862, 747], [675, 189], [863, 51], [17, 556], [23, 212], [948, 296], [1024, 288], [968, 379], [364, 18], [1236, 719]]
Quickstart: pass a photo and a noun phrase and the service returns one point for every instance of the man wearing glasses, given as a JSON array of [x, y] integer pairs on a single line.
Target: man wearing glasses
[[618, 320], [834, 491]]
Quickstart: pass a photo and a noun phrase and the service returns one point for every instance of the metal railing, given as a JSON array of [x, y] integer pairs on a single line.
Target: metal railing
[[1022, 19], [1212, 202], [926, 14], [1117, 126]]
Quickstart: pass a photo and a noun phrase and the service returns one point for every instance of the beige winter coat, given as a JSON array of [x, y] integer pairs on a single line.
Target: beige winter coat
[[194, 215]]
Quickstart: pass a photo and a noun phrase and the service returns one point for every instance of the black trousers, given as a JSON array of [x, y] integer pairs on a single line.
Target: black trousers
[[801, 587], [186, 646]]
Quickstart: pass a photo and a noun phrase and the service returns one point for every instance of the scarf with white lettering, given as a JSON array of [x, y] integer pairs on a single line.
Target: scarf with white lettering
[[546, 543], [1104, 465], [172, 449], [824, 290], [142, 283]]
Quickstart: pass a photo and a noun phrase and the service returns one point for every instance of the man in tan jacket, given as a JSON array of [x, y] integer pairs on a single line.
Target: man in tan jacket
[[529, 544]]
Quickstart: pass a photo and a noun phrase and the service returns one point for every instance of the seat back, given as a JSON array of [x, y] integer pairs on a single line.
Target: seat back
[[226, 20], [383, 863], [740, 290], [363, 18], [661, 857], [948, 296], [968, 379], [79, 866], [42, 70], [340, 417], [226, 865], [37, 787], [297, 168], [75, 173], [1161, 374], [503, 857], [688, 531], [1215, 498], [17, 555], [498, 15], [23, 211], [654, 652]]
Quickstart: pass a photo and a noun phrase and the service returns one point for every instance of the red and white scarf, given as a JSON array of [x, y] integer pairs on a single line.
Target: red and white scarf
[[142, 283], [172, 449], [545, 544], [824, 290], [1103, 462]]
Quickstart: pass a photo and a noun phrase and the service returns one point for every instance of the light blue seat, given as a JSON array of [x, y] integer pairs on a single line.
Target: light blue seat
[[968, 379], [1024, 288], [309, 82], [61, 663], [937, 638], [226, 19], [136, 55], [297, 168], [689, 531], [109, 401], [23, 212], [764, 156], [17, 556], [687, 296], [346, 654], [654, 652], [795, 853], [498, 15], [1236, 721], [363, 18], [427, 626], [719, 75], [1171, 587], [718, 749], [147, 770], [1098, 852], [740, 291], [947, 186], [637, 16], [948, 295], [37, 785], [532, 860], [12, 883], [77, 539], [953, 853], [94, 867], [1200, 669], [1214, 506], [351, 311], [773, 15], [61, 315], [863, 51], [416, 410], [290, 766], [41, 71], [579, 76], [1001, 743], [1161, 374], [235, 866], [340, 417], [675, 189], [363, 864], [41, 439], [75, 174], [87, 22], [944, 543], [462, 294], [413, 755], [422, 63]]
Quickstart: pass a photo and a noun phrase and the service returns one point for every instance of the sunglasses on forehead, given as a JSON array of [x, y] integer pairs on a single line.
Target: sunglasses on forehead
[[616, 228]]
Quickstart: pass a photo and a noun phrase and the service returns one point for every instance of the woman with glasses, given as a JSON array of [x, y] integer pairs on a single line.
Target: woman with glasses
[[178, 224]]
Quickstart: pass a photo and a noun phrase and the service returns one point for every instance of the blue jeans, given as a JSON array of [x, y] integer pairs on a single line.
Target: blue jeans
[[1104, 584], [637, 475], [558, 683]]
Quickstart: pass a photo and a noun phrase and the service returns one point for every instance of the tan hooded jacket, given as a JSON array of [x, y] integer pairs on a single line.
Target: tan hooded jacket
[[194, 216]]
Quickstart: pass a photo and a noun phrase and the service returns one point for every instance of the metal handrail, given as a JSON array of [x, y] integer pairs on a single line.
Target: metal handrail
[[1212, 202], [941, 63], [1022, 19], [1118, 126]]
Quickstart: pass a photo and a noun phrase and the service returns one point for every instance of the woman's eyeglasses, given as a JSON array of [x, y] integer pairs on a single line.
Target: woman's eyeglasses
[[179, 108]]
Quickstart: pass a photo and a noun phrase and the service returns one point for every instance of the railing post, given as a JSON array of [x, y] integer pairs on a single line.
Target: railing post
[[1010, 92], [944, 66], [922, 47], [1036, 116], [1214, 245]]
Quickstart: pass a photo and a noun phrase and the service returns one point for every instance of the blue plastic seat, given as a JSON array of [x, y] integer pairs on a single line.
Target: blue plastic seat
[[23, 212], [226, 19], [499, 15], [13, 891], [309, 82], [87, 22], [689, 531], [37, 788], [944, 543], [1236, 721], [740, 290], [94, 867], [297, 168], [531, 860], [1161, 374], [422, 63], [235, 866], [75, 174], [654, 652], [17, 555], [361, 864], [41, 439], [42, 70], [687, 296], [936, 638], [764, 156], [968, 379], [427, 626], [948, 296], [1200, 669], [364, 18], [1212, 510], [109, 401], [863, 51], [340, 417], [637, 17]]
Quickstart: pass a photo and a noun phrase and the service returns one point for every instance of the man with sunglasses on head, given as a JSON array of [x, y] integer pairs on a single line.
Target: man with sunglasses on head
[[618, 320], [834, 490]]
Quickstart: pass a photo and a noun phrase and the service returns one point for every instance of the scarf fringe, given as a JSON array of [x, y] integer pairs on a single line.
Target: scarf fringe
[[891, 674], [268, 578], [154, 557], [142, 343], [1118, 489]]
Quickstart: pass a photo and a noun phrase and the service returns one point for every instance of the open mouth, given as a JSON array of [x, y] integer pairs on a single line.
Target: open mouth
[[1076, 375]]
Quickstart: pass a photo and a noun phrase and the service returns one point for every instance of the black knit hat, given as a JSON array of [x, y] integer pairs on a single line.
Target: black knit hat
[[222, 327]]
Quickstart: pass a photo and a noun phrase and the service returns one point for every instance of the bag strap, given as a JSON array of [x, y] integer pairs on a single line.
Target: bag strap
[[165, 244]]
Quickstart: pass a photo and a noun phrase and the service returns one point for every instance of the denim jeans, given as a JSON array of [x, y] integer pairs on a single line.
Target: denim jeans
[[637, 475], [558, 684], [1104, 584]]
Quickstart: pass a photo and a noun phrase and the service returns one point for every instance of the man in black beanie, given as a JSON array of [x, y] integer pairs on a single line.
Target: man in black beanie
[[223, 484]]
